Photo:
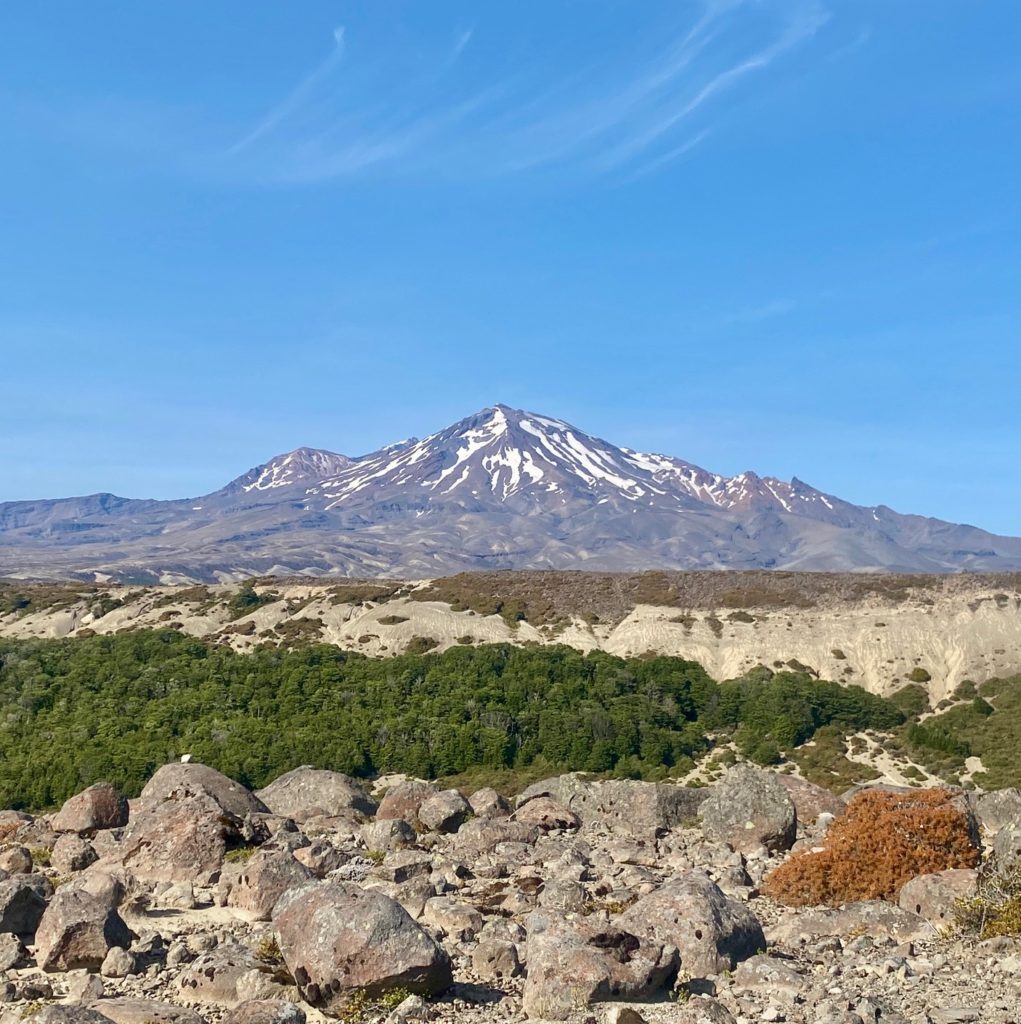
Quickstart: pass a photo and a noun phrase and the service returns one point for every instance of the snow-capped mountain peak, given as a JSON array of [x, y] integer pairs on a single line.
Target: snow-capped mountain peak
[[502, 488], [301, 466]]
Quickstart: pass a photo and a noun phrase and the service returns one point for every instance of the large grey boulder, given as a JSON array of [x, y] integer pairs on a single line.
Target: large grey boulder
[[404, 800], [547, 814], [445, 811], [23, 900], [388, 834], [253, 887], [998, 810], [179, 839], [308, 792], [749, 809], [712, 933], [99, 807], [876, 918], [573, 963], [192, 779], [339, 939], [626, 806], [72, 853], [488, 803], [78, 930]]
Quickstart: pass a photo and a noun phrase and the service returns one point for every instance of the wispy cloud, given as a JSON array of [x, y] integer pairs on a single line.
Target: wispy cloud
[[302, 93], [495, 98]]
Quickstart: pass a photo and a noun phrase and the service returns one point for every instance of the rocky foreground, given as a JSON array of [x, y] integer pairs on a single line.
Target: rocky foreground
[[616, 902]]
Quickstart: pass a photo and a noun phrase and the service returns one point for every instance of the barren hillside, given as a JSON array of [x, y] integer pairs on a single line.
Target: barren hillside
[[876, 630]]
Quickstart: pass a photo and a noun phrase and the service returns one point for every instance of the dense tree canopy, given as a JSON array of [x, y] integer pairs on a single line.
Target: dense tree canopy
[[116, 707]]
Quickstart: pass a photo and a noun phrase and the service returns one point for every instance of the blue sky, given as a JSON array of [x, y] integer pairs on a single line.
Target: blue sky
[[772, 234]]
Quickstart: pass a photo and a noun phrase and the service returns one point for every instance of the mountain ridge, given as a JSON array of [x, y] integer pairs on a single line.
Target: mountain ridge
[[501, 488]]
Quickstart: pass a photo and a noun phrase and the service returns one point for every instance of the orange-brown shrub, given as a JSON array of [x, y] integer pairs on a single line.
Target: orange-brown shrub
[[882, 841]]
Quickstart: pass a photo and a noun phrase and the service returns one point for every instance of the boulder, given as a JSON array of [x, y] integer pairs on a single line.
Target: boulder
[[934, 896], [869, 917], [998, 810], [712, 933], [78, 930], [626, 806], [487, 803], [123, 1010], [1007, 846], [23, 901], [388, 834], [321, 857], [16, 860], [483, 835], [192, 779], [71, 853], [265, 1011], [119, 963], [455, 920], [254, 886], [546, 813], [338, 939], [404, 800], [703, 1010], [99, 807], [749, 809], [446, 811], [56, 1013], [179, 840], [110, 886], [11, 822], [308, 792], [770, 977], [496, 960], [573, 963], [213, 977], [12, 952], [811, 800]]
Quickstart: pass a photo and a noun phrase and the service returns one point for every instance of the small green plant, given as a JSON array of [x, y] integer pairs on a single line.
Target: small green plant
[[268, 951], [240, 854], [360, 1004], [40, 856], [919, 675], [376, 856]]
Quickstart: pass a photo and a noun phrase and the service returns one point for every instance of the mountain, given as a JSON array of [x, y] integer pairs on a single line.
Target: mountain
[[501, 489]]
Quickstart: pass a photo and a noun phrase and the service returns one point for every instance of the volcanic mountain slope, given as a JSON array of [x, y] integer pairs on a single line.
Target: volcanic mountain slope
[[500, 489]]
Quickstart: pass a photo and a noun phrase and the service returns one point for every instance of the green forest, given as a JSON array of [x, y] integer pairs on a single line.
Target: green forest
[[115, 708]]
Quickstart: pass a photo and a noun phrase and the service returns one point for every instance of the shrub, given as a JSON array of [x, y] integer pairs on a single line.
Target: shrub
[[881, 842], [995, 909], [919, 675]]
